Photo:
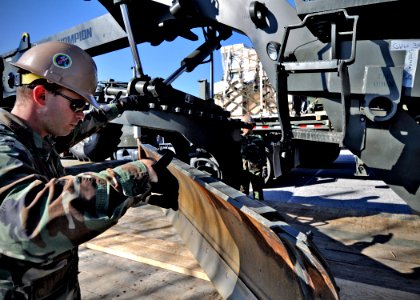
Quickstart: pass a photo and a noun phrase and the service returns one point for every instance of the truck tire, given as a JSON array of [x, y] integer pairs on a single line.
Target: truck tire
[[99, 146], [283, 163], [269, 165], [208, 165], [316, 154]]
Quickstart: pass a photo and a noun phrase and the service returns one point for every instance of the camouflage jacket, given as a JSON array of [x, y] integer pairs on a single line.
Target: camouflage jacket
[[253, 150], [43, 212]]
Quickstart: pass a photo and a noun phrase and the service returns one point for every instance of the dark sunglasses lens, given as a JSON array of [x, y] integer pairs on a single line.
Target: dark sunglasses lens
[[77, 105]]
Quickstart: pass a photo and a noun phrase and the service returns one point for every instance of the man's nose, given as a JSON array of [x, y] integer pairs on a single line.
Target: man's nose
[[80, 115]]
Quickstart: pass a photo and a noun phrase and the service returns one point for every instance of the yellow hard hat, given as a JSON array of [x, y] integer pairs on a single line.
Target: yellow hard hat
[[64, 64]]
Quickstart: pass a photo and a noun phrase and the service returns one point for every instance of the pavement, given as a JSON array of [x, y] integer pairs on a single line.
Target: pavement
[[336, 186]]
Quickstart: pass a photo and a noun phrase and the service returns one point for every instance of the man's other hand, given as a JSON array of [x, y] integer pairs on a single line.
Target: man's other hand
[[133, 102]]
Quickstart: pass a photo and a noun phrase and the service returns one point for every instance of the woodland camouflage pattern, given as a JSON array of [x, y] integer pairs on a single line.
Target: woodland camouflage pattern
[[253, 150], [253, 162], [45, 215]]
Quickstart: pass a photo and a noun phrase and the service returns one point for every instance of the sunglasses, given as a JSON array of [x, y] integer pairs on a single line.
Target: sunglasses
[[76, 105]]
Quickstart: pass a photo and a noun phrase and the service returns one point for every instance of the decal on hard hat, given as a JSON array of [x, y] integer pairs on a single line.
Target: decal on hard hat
[[62, 60]]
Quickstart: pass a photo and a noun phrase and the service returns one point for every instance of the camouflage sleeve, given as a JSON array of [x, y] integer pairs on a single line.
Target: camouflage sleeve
[[42, 218], [94, 120]]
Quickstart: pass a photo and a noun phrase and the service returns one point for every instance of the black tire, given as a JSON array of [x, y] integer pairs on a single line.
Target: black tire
[[269, 165], [207, 165], [285, 161], [99, 146]]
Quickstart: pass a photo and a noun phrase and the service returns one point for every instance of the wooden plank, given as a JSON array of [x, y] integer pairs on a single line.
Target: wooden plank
[[381, 250], [361, 291], [161, 262], [377, 246], [145, 235], [381, 277]]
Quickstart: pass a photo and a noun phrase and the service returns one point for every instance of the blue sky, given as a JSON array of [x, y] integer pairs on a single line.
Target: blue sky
[[42, 18]]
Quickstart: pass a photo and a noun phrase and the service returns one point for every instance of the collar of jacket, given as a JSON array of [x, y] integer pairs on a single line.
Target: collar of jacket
[[21, 129]]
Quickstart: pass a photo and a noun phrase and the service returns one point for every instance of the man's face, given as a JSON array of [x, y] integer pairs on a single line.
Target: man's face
[[245, 131], [60, 119]]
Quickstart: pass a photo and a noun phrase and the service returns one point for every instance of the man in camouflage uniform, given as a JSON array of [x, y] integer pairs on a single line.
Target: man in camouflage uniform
[[44, 214], [253, 161]]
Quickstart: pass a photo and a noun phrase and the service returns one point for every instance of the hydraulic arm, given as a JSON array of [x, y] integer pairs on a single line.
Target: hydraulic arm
[[365, 76]]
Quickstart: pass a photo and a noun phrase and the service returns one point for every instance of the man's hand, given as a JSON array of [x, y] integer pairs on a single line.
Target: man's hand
[[133, 102], [165, 189], [153, 177]]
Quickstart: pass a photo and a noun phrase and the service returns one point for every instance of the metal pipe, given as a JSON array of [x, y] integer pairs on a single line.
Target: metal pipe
[[136, 57], [211, 94], [175, 75]]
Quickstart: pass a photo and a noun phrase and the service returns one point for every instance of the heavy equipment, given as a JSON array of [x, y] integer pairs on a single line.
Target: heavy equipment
[[365, 73], [245, 89]]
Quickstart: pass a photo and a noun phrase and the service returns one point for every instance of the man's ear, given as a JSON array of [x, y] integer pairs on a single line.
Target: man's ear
[[38, 94]]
